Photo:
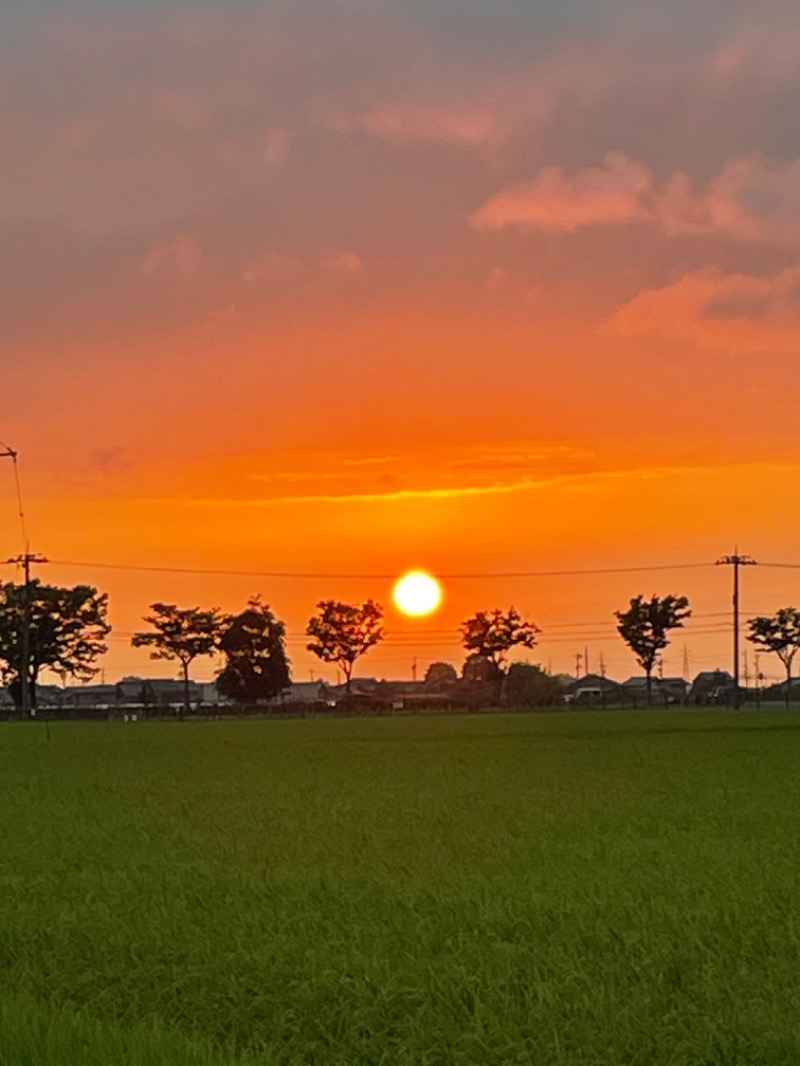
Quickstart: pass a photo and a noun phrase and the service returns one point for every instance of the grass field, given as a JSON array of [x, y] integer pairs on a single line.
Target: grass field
[[596, 888]]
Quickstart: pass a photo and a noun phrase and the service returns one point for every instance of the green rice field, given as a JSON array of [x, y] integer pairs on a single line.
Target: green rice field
[[578, 888]]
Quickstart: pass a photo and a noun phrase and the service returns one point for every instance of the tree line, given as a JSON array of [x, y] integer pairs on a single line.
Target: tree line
[[65, 630]]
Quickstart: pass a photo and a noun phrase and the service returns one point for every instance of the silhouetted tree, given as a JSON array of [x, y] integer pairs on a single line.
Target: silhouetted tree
[[644, 628], [490, 635], [342, 632], [528, 685], [182, 634], [254, 645], [67, 633], [779, 634], [440, 674]]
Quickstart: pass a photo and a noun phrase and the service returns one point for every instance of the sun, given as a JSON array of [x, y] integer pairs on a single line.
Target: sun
[[417, 593]]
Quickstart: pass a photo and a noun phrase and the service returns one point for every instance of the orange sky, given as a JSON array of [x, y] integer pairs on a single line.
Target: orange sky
[[371, 287]]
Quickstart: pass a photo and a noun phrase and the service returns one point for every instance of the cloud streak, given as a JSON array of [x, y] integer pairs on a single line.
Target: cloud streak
[[752, 199], [723, 312]]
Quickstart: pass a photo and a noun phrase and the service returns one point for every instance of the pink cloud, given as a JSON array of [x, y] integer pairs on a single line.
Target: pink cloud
[[345, 261], [270, 267], [752, 199], [557, 201], [179, 256], [730, 312]]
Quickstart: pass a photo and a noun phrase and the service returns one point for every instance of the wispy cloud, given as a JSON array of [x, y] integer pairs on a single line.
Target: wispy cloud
[[728, 312], [751, 199], [396, 496]]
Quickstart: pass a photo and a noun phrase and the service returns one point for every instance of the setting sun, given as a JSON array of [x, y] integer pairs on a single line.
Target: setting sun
[[417, 593]]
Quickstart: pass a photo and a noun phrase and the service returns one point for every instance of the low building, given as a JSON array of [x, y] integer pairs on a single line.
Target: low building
[[76, 697], [711, 686], [593, 690]]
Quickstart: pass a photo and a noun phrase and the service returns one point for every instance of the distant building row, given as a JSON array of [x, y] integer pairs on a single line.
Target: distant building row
[[161, 696]]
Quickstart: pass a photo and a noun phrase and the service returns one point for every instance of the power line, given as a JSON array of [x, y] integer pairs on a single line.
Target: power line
[[298, 575]]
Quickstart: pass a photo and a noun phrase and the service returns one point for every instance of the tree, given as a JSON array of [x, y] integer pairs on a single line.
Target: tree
[[779, 634], [644, 628], [490, 636], [182, 634], [528, 685], [342, 632], [254, 646], [440, 675], [67, 631]]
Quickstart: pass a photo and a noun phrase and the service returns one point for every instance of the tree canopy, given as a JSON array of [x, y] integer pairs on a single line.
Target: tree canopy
[[528, 685], [645, 626], [67, 632], [491, 635], [342, 632], [440, 674], [780, 635], [254, 645], [182, 634]]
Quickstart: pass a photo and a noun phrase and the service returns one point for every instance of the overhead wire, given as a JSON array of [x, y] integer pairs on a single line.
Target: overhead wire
[[344, 575], [13, 456]]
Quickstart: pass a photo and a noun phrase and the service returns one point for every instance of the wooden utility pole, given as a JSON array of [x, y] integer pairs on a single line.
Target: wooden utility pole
[[736, 561], [24, 680]]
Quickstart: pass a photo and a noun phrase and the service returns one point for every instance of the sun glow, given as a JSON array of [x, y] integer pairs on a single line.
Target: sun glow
[[417, 593]]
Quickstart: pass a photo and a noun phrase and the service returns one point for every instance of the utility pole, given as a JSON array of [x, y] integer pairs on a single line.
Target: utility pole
[[602, 665], [414, 669], [685, 666], [736, 561], [586, 662], [578, 659], [25, 562]]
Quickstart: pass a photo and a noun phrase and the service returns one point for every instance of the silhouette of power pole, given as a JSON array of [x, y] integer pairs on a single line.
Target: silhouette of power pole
[[414, 669], [578, 659], [685, 665], [602, 665], [25, 562], [736, 561], [13, 455]]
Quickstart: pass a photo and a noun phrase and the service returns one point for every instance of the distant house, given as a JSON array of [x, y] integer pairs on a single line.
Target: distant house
[[674, 689], [75, 697], [303, 692], [634, 690], [592, 690], [131, 692], [711, 686]]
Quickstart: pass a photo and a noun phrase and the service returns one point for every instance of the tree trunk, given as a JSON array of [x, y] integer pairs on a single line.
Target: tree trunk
[[788, 684], [498, 684], [648, 674], [185, 709], [348, 670]]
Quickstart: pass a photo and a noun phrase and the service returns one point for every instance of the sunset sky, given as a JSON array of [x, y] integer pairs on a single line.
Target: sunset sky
[[351, 288]]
